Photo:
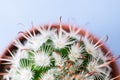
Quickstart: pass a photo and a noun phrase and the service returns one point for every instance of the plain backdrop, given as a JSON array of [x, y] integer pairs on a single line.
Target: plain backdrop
[[100, 17]]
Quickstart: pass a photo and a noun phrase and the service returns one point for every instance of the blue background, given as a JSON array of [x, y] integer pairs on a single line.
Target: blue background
[[99, 17]]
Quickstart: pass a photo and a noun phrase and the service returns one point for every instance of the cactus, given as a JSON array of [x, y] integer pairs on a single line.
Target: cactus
[[57, 54]]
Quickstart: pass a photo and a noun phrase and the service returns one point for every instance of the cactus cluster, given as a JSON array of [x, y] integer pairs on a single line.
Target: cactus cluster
[[57, 54]]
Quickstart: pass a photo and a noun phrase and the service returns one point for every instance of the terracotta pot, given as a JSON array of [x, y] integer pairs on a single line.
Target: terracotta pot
[[11, 47]]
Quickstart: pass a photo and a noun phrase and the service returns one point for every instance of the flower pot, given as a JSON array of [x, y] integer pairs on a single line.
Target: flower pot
[[13, 48]]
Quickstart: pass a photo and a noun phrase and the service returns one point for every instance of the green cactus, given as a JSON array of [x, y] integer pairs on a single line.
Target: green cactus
[[53, 54]]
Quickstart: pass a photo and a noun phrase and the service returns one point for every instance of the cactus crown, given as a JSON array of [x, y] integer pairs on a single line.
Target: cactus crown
[[57, 54]]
